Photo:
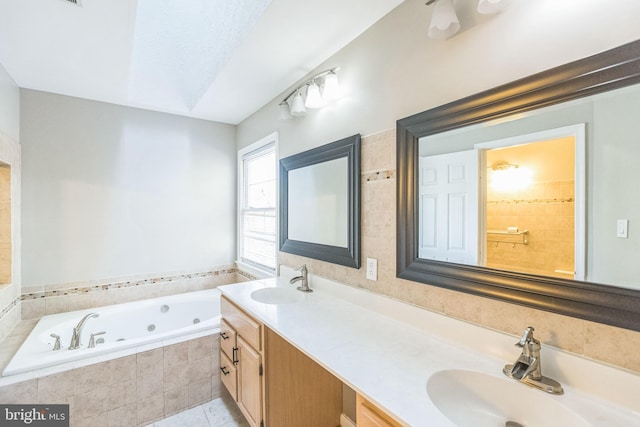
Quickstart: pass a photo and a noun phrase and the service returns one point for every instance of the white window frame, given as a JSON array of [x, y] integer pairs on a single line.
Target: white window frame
[[252, 268]]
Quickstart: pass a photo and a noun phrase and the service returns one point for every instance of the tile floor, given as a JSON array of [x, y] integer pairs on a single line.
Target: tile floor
[[220, 412]]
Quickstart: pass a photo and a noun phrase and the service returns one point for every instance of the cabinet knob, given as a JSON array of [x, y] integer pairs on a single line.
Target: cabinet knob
[[224, 370], [224, 335]]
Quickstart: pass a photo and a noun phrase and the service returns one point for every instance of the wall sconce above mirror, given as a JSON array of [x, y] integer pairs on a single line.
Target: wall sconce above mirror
[[320, 203], [592, 276]]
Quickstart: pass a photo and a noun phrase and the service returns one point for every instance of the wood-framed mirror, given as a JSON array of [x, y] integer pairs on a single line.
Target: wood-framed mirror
[[320, 203], [587, 299]]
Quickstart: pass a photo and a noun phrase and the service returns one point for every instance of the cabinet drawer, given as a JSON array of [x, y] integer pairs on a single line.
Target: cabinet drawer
[[227, 338], [229, 375], [244, 325]]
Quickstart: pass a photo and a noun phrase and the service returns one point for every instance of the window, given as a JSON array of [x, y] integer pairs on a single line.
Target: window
[[257, 184]]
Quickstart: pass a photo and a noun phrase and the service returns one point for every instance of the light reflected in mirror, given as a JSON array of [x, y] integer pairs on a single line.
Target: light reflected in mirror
[[318, 203], [540, 193]]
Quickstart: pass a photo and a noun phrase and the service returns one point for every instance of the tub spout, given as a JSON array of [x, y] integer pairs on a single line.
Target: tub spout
[[75, 338]]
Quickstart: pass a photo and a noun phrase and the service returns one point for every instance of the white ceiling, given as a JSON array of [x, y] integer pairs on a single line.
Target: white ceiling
[[217, 60]]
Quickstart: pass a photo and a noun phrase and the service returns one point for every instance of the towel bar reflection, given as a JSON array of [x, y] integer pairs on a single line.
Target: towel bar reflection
[[520, 237]]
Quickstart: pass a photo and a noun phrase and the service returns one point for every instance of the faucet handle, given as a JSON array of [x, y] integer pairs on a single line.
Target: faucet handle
[[302, 268], [56, 345], [526, 337], [92, 341]]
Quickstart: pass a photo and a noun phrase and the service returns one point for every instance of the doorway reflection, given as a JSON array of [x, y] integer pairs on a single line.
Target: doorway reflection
[[530, 208]]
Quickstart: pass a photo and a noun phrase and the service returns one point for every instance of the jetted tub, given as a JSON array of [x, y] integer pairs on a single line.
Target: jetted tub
[[125, 325]]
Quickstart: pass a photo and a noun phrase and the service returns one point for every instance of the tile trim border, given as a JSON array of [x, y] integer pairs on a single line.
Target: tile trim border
[[118, 284]]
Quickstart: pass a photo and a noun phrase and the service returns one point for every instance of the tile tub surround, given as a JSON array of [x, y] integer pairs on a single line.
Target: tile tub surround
[[596, 341], [37, 301], [134, 390], [387, 350]]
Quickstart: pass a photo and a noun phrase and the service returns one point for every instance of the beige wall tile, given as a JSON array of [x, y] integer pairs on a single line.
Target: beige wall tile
[[216, 386], [123, 393], [91, 377], [55, 305], [502, 316], [556, 330], [122, 369], [176, 400], [56, 386], [33, 309], [150, 410], [176, 375], [150, 385], [612, 345], [94, 421], [91, 403], [150, 361], [200, 369], [176, 354], [200, 347], [199, 392], [26, 391], [123, 416]]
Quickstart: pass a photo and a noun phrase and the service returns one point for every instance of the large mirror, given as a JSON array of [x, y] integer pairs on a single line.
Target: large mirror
[[527, 193], [320, 203]]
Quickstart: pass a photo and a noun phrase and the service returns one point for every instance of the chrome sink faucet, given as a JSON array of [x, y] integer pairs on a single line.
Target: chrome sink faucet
[[528, 368], [303, 277], [75, 338]]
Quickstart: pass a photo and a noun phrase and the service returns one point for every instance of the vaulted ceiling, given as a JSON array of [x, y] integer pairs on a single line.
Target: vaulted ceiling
[[218, 60]]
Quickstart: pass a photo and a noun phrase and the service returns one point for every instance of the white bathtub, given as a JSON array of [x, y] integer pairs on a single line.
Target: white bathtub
[[126, 325]]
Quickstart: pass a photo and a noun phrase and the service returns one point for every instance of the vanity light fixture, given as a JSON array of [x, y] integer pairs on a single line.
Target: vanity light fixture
[[314, 92], [487, 7], [444, 21]]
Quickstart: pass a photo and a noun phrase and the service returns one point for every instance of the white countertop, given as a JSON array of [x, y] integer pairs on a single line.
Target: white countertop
[[386, 350]]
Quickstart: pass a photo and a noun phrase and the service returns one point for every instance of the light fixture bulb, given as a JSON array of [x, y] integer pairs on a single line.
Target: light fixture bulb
[[297, 105], [444, 22], [491, 6], [283, 111], [314, 99], [331, 90]]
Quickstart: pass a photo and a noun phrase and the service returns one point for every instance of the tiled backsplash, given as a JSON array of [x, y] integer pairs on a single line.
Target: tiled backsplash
[[604, 343], [37, 301]]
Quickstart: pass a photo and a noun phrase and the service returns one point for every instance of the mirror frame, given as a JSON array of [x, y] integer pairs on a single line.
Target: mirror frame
[[350, 256], [596, 74]]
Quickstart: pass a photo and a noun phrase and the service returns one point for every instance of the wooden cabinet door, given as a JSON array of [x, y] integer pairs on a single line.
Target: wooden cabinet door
[[249, 382], [368, 415], [229, 375]]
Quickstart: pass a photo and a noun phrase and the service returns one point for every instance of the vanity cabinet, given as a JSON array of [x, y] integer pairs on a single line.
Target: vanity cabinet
[[369, 415], [241, 361], [274, 383]]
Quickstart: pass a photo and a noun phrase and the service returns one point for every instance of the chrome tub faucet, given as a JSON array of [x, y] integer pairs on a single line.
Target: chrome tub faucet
[[303, 277], [75, 338], [528, 368]]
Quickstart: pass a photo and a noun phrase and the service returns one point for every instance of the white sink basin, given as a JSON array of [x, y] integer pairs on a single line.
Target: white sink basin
[[475, 399], [276, 295]]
